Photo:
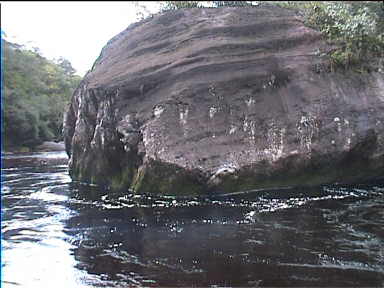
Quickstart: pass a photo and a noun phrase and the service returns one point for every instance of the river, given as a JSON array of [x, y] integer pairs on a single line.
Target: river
[[57, 233]]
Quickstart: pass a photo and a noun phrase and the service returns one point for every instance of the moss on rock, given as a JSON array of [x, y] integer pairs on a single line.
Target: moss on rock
[[158, 177]]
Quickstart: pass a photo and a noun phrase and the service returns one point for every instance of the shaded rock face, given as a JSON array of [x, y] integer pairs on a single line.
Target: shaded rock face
[[222, 100]]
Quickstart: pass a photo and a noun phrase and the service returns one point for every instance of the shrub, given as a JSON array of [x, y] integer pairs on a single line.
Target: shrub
[[356, 29]]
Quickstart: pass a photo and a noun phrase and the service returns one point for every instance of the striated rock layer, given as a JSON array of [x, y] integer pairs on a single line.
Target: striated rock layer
[[222, 100]]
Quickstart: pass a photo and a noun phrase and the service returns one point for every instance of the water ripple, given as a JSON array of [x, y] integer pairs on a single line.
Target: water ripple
[[67, 234]]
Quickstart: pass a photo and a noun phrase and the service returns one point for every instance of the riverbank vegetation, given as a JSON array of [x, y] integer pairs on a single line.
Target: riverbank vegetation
[[35, 94]]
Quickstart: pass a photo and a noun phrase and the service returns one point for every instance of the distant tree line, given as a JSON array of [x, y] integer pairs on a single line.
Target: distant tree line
[[35, 94]]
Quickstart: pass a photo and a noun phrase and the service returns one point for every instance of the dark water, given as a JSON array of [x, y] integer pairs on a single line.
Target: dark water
[[61, 234]]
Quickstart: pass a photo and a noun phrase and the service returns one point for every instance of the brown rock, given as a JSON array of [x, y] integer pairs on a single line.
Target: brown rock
[[220, 100]]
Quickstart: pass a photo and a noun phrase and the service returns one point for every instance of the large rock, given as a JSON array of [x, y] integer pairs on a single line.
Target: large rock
[[222, 100]]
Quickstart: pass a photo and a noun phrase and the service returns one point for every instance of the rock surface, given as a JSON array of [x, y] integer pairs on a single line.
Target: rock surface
[[51, 146], [222, 100]]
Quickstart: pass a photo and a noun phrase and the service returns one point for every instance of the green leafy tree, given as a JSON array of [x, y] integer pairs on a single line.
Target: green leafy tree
[[36, 92], [354, 25], [66, 66]]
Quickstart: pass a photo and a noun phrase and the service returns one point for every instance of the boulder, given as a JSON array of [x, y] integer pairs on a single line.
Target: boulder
[[218, 100]]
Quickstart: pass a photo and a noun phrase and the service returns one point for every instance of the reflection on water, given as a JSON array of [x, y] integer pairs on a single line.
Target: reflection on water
[[61, 234]]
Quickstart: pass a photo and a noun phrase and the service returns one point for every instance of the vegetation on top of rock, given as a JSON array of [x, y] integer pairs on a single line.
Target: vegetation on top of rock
[[36, 92], [173, 5], [356, 28]]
